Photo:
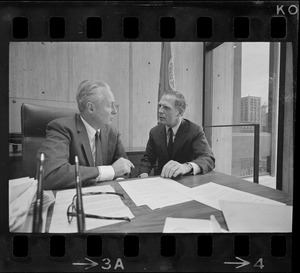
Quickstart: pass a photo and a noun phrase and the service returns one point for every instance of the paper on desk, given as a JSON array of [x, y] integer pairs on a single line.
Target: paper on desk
[[102, 205], [251, 217], [22, 192], [22, 196], [185, 225], [48, 199], [156, 192], [211, 193], [19, 185]]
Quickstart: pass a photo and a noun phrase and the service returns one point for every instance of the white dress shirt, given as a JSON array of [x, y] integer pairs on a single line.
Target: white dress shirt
[[196, 168], [105, 172]]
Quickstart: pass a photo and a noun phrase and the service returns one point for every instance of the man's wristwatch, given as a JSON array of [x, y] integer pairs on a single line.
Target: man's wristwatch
[[191, 167]]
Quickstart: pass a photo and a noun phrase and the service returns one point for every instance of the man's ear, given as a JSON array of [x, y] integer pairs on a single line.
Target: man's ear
[[90, 106]]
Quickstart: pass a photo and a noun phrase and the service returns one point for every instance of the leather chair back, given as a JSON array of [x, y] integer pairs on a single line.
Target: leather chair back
[[34, 119]]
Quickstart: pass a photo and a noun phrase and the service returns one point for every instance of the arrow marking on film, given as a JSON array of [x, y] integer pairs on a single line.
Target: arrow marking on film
[[241, 264], [90, 264]]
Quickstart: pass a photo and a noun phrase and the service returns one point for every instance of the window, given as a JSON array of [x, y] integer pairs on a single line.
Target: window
[[246, 93]]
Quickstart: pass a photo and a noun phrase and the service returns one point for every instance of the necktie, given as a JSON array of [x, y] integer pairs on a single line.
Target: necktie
[[98, 152], [170, 143]]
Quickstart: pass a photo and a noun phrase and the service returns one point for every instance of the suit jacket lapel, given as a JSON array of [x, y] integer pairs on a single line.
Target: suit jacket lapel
[[84, 140], [163, 137], [104, 144], [179, 136]]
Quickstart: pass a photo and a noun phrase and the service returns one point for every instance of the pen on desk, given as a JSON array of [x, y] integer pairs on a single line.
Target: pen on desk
[[79, 202], [37, 224]]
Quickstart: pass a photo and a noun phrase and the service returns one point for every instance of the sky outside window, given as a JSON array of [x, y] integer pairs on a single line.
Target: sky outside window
[[255, 70]]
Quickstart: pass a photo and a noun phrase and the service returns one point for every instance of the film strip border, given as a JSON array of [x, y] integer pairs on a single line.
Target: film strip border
[[150, 252], [144, 21], [141, 21]]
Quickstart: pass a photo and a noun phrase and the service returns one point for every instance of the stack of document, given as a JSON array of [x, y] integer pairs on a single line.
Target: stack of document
[[20, 185], [22, 196], [156, 192], [102, 205]]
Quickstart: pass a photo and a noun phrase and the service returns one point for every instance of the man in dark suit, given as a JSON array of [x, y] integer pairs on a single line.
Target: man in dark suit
[[178, 145], [90, 136]]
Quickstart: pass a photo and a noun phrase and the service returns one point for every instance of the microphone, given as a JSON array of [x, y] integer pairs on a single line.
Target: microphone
[[79, 203], [37, 224]]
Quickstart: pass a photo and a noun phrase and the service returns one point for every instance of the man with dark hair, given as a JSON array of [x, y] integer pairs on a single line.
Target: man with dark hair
[[178, 145], [90, 136]]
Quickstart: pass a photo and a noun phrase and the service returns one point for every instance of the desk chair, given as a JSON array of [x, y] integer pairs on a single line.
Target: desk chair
[[34, 119]]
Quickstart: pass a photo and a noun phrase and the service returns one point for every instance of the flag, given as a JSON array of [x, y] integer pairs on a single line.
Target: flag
[[166, 77]]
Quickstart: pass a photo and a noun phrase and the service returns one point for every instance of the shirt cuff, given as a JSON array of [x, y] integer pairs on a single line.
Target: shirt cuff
[[196, 168], [105, 173]]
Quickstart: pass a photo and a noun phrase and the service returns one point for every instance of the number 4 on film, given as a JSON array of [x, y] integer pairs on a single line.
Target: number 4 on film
[[243, 263], [259, 263]]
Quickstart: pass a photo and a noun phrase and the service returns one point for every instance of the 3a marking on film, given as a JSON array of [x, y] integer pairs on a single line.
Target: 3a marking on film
[[106, 264], [90, 264]]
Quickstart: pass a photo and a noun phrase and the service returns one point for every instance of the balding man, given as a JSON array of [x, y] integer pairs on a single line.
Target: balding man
[[81, 135], [178, 145]]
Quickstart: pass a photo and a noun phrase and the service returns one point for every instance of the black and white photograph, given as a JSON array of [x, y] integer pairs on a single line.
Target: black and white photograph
[[148, 136], [151, 137]]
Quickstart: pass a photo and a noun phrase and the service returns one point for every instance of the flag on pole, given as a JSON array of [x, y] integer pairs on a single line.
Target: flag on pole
[[166, 77]]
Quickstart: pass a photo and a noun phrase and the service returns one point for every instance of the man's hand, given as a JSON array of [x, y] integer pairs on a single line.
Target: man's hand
[[174, 168], [122, 167]]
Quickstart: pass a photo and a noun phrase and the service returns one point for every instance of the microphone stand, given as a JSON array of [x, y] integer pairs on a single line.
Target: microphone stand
[[37, 224], [79, 202]]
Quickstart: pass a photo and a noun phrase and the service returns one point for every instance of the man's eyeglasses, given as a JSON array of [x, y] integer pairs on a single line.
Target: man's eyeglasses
[[71, 212]]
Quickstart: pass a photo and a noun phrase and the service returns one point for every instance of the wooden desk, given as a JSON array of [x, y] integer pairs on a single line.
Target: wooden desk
[[152, 221]]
